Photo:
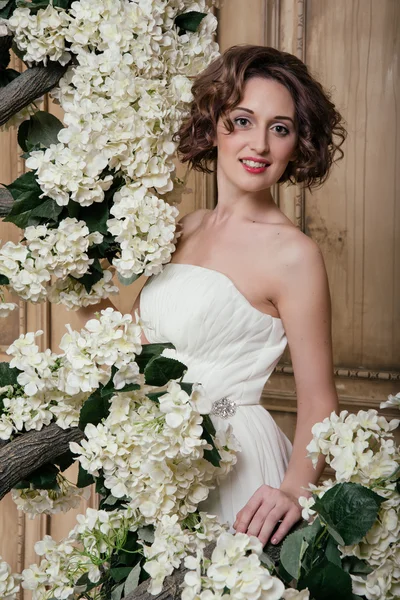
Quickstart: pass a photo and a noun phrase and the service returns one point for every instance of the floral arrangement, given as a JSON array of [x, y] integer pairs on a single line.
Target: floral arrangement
[[101, 196], [153, 453], [102, 183]]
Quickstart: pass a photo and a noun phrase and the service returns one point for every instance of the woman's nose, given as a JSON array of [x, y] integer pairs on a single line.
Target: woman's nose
[[259, 142]]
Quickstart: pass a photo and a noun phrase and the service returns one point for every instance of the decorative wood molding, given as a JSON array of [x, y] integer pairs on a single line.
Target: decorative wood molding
[[300, 53], [350, 372], [284, 401]]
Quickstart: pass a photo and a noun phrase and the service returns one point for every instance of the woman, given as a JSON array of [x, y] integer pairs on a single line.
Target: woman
[[244, 281]]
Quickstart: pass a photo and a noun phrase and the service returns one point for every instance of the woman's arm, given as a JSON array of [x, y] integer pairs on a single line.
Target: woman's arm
[[305, 309]]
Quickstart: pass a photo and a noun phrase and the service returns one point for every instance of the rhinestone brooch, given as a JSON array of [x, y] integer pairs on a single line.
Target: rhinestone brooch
[[224, 408]]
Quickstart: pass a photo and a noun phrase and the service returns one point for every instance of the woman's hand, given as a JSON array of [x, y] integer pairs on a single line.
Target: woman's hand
[[265, 509]]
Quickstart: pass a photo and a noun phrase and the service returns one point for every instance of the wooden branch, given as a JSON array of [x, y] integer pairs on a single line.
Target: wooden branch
[[31, 84], [6, 202], [21, 457]]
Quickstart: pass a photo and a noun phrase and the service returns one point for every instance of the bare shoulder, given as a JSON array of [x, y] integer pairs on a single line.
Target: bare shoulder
[[297, 250], [192, 220]]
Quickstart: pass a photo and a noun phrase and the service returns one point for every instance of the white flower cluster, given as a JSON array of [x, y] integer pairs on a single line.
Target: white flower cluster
[[144, 226], [112, 340], [392, 401], [173, 542], [123, 99], [59, 252], [53, 387], [41, 36], [34, 502], [87, 548], [73, 295], [9, 588], [359, 447], [234, 572], [152, 452]]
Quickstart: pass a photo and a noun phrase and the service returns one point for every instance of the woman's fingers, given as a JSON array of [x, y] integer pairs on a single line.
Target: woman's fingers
[[244, 516], [264, 511], [290, 519], [266, 524]]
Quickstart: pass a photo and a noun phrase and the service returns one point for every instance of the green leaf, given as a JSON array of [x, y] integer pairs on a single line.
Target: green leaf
[[146, 534], [84, 478], [356, 566], [100, 487], [8, 376], [7, 76], [129, 553], [49, 210], [42, 128], [148, 352], [73, 209], [327, 582], [44, 478], [93, 276], [128, 280], [189, 21], [84, 580], [7, 8], [208, 425], [120, 573], [294, 547], [65, 460], [133, 579], [349, 511], [26, 192], [332, 552], [33, 5], [94, 410], [160, 370], [4, 280], [95, 216], [116, 593]]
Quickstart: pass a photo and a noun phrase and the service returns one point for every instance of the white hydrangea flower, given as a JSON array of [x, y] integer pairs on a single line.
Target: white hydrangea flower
[[6, 308], [306, 504], [358, 447], [34, 502], [9, 586], [73, 295], [391, 401], [234, 565], [42, 35]]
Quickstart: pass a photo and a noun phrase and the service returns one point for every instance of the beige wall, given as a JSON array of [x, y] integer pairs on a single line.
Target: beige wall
[[352, 46]]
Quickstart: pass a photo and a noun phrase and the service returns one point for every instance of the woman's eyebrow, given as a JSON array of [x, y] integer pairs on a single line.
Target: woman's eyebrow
[[252, 113]]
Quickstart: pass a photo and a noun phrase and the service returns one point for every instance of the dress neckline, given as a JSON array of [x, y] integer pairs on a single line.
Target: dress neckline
[[220, 274]]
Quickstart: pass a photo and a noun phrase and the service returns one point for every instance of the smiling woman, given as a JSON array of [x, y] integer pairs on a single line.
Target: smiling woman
[[260, 113], [309, 114]]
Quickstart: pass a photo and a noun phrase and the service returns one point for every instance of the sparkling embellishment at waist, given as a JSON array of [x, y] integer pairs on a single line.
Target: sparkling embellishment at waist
[[224, 408]]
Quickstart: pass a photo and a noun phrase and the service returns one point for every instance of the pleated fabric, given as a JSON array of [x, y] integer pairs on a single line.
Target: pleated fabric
[[231, 348]]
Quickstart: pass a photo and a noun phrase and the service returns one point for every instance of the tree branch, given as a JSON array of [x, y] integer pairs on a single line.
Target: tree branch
[[6, 202], [31, 84], [32, 450]]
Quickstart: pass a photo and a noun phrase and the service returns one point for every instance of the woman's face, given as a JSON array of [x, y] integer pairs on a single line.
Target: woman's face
[[264, 132]]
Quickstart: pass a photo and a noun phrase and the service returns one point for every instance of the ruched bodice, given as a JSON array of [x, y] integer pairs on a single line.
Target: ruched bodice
[[228, 345], [231, 348]]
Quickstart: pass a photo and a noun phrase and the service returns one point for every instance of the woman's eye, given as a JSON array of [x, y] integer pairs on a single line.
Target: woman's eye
[[240, 122], [281, 130]]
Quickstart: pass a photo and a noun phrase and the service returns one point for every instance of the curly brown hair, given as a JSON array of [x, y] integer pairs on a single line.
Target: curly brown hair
[[219, 89]]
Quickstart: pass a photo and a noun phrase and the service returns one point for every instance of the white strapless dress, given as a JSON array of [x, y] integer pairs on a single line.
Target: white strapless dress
[[231, 348]]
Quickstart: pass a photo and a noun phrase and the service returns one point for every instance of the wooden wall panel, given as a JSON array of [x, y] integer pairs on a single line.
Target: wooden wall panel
[[355, 217]]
